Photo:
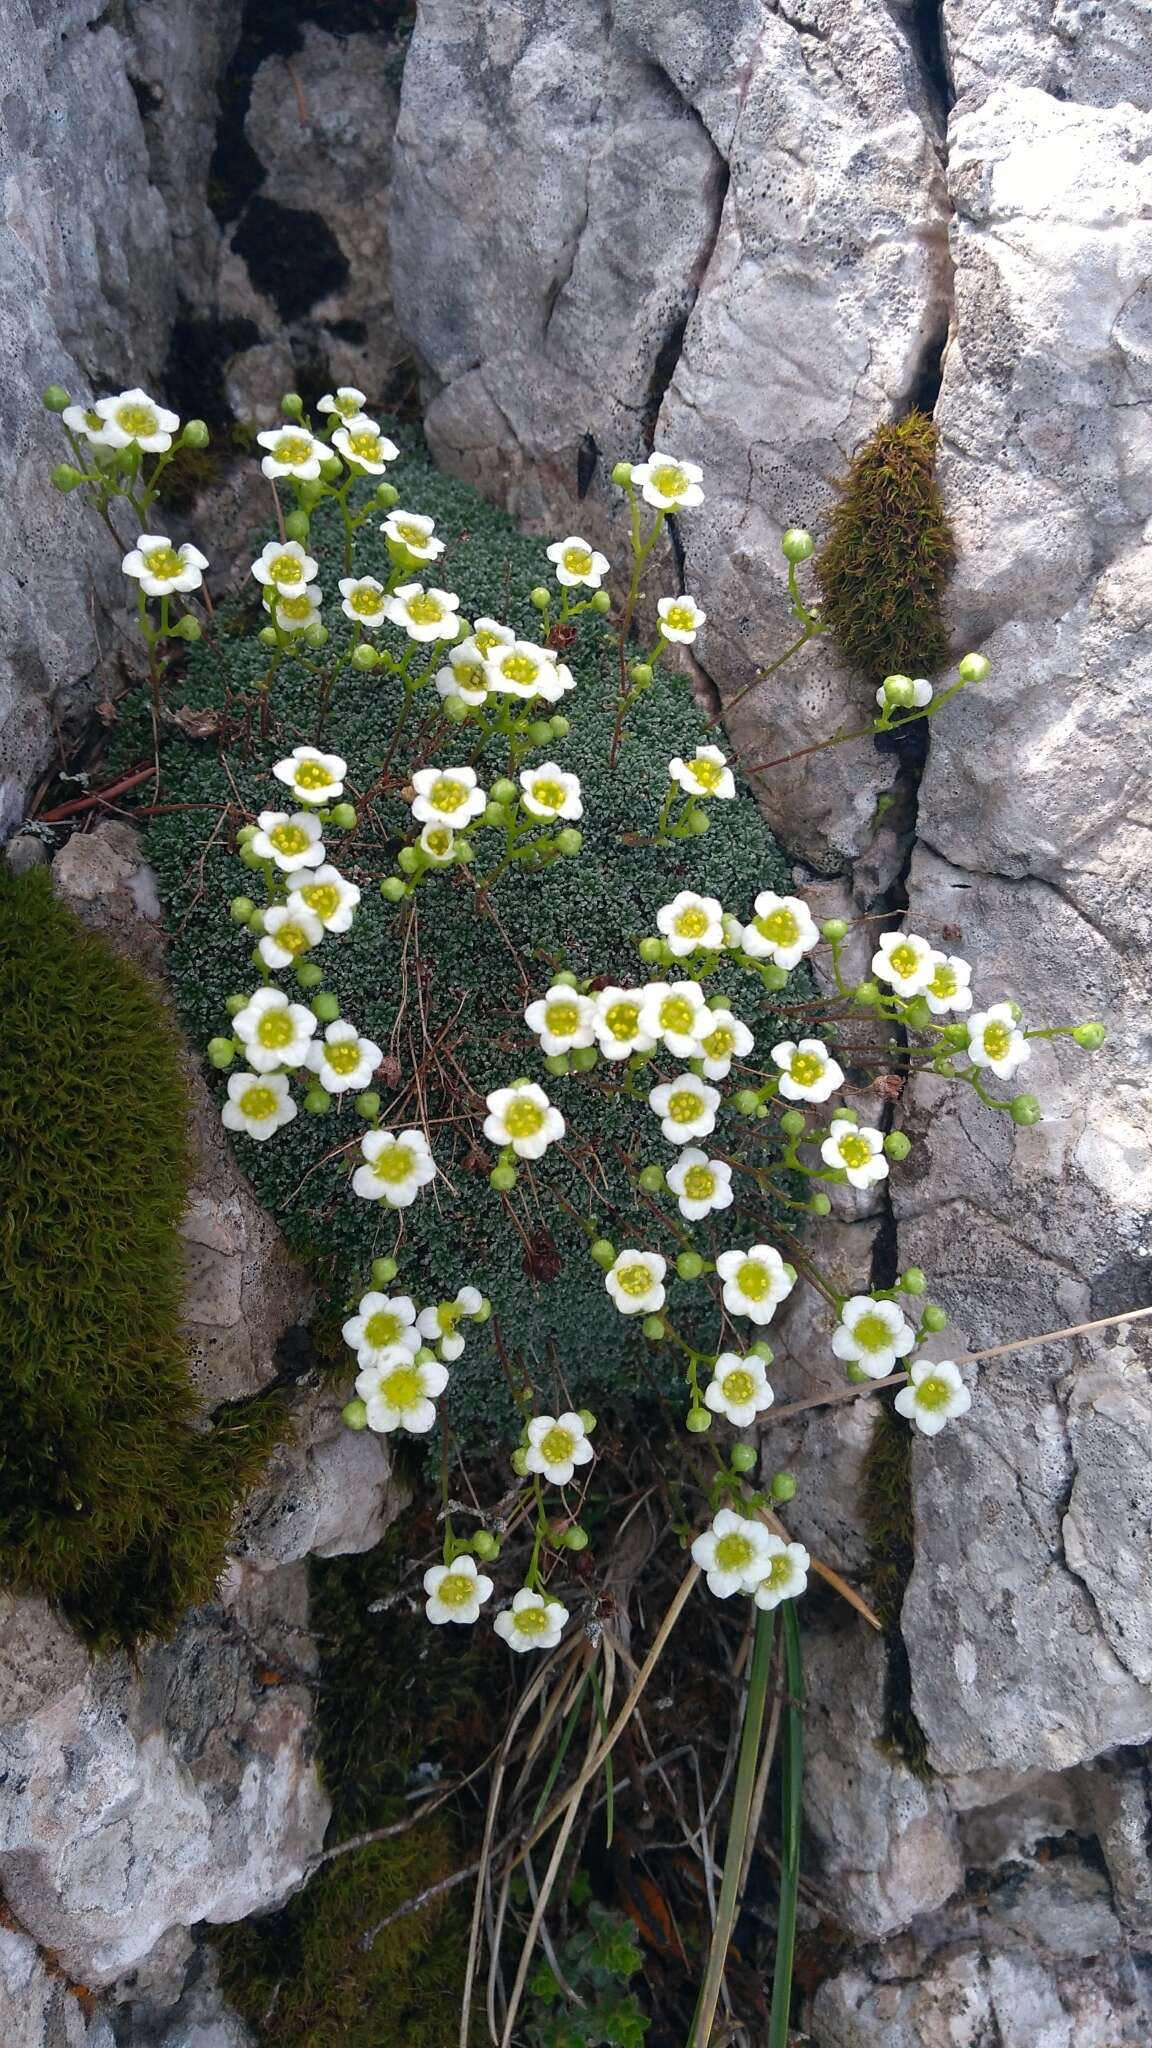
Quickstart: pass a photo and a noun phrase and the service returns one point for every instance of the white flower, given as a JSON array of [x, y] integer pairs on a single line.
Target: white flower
[[292, 451], [413, 532], [705, 773], [447, 796], [382, 1324], [364, 600], [738, 1388], [523, 1117], [948, 988], [905, 961], [457, 1591], [425, 614], [680, 619], [159, 568], [519, 668], [563, 1020], [532, 1622], [314, 777], [346, 401], [783, 929], [855, 1150], [488, 634], [134, 417], [551, 792], [674, 1011], [397, 1166], [329, 897], [618, 1026], [297, 610], [995, 1040], [556, 1445], [921, 695], [872, 1335], [755, 1281], [86, 421], [258, 1104], [288, 934], [700, 1184], [786, 1576], [691, 921], [555, 681], [284, 566], [686, 1108], [399, 1392], [636, 1282], [733, 1553], [667, 482], [934, 1394], [274, 1032], [292, 841], [438, 843], [439, 1325], [364, 447], [578, 562], [808, 1073], [342, 1060], [723, 1038], [466, 675]]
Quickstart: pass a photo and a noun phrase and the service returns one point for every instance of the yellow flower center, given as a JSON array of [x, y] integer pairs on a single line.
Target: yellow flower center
[[383, 1328], [520, 668], [738, 1386], [286, 569], [456, 1590], [562, 1019], [402, 1387], [718, 1043], [933, 1392], [531, 1621], [366, 446], [944, 982], [685, 1106], [293, 449], [699, 1183], [557, 1446], [291, 938], [163, 562], [366, 602], [289, 839], [623, 1020], [394, 1164], [275, 1029], [486, 640], [323, 898], [855, 1151], [295, 608], [548, 793], [425, 609], [446, 794], [677, 1015], [779, 1571], [634, 1280], [997, 1040], [669, 479], [780, 927], [346, 405], [904, 960], [470, 676], [415, 536], [312, 774], [734, 1552], [578, 561], [754, 1280], [523, 1118], [344, 1056], [259, 1103], [707, 773], [137, 419], [93, 420], [806, 1068], [872, 1333], [692, 922], [438, 841], [680, 618]]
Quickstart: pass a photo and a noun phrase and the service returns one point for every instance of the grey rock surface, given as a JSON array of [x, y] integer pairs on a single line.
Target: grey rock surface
[[328, 1492]]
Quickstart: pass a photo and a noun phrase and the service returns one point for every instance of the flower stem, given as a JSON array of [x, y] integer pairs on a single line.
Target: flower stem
[[791, 1799]]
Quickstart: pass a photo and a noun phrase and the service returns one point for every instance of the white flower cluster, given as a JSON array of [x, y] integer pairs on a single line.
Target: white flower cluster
[[403, 1355], [491, 661], [912, 968], [738, 1554]]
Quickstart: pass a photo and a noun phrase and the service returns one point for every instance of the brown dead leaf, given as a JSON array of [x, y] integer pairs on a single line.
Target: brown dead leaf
[[197, 725]]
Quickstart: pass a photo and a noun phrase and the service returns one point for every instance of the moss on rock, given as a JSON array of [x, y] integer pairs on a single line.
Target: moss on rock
[[885, 564]]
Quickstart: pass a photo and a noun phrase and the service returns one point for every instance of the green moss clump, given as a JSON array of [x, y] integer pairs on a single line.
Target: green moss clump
[[112, 1503], [884, 566], [886, 1504]]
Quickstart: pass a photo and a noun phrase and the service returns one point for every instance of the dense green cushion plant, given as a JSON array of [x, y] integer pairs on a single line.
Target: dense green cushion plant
[[888, 554], [112, 1503]]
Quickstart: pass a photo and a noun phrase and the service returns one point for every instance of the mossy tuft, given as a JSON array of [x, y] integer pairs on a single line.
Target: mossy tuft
[[886, 1505], [113, 1503], [884, 566]]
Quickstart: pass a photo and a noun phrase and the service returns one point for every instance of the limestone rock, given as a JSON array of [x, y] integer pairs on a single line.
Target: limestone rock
[[329, 1491]]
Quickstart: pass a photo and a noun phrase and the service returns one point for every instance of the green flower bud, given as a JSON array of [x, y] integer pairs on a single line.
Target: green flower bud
[[651, 950], [195, 434], [603, 1254], [1017, 1012], [689, 1265], [503, 791], [393, 890], [746, 1101], [600, 602], [540, 598], [186, 628], [955, 1034], [355, 1414], [653, 1179], [917, 1013], [587, 1418], [55, 399], [913, 1281], [221, 1052], [368, 1104], [897, 1146], [743, 1457], [317, 1101], [483, 1314], [622, 474], [566, 979], [1090, 1036], [248, 858], [365, 658], [384, 1271], [641, 673], [456, 711], [520, 1463], [409, 860], [695, 826], [256, 921], [868, 993], [297, 526], [584, 1059], [66, 477], [502, 1178], [820, 1204], [240, 909], [325, 1007], [774, 978], [493, 815], [653, 1328], [762, 1349], [387, 495], [1025, 1110], [267, 636], [576, 1538], [856, 1375], [308, 974], [793, 1124], [698, 1421], [485, 1546], [783, 1486], [834, 929], [235, 1004], [797, 545], [556, 1063], [315, 636], [540, 732], [343, 816], [934, 1318], [292, 405], [560, 726], [569, 842], [899, 692], [973, 668], [332, 469]]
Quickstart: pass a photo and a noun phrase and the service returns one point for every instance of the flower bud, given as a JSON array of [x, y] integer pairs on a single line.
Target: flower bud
[[1025, 1110], [315, 636], [560, 726], [485, 1546], [256, 921], [235, 1004], [408, 859], [368, 1104], [540, 598], [240, 909], [934, 1318], [267, 636], [569, 842], [331, 469], [783, 1486], [387, 495], [520, 1463], [55, 399], [820, 1204], [384, 1271], [503, 791], [355, 1414], [698, 1421], [868, 993], [652, 1179], [797, 545], [1090, 1036], [540, 732], [186, 628], [622, 474], [600, 601], [566, 979], [297, 526], [221, 1052], [653, 1328], [695, 826], [455, 710], [651, 950], [325, 1007], [393, 890], [917, 1013], [292, 405], [584, 1059], [1014, 1007], [856, 1375], [746, 1101], [743, 1457], [641, 673], [556, 1063], [587, 1418], [317, 1101], [343, 816], [195, 434], [774, 978], [689, 1265], [792, 1123], [955, 1034], [603, 1253], [899, 692], [248, 858], [493, 814], [66, 477], [762, 1349], [502, 1178], [913, 1281], [834, 929], [365, 658], [576, 1538], [308, 974], [897, 1146], [973, 668]]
